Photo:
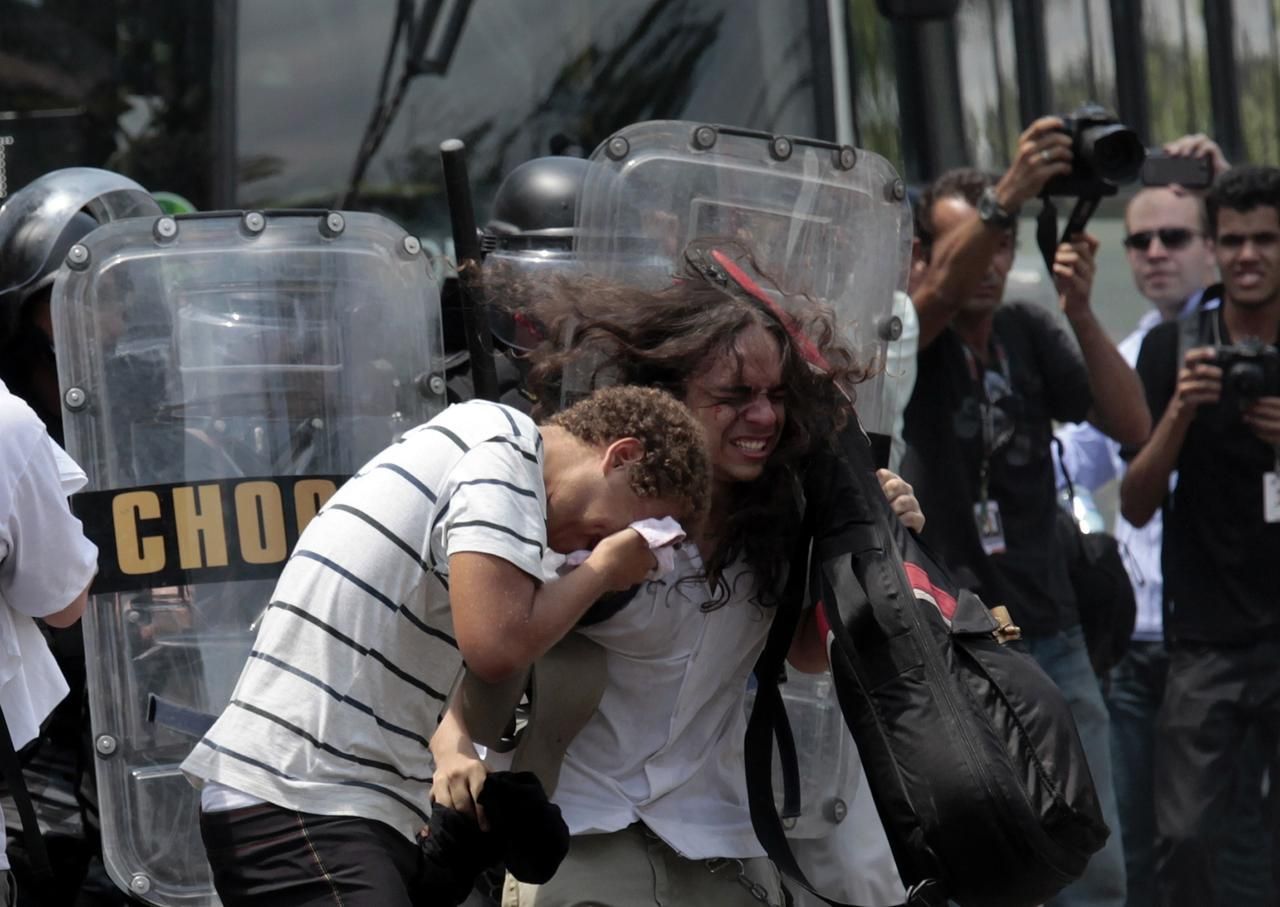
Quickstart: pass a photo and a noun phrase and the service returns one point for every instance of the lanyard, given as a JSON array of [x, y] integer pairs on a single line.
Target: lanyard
[[977, 374]]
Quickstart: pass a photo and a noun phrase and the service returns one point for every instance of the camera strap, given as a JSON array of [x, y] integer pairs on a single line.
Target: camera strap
[[1047, 225]]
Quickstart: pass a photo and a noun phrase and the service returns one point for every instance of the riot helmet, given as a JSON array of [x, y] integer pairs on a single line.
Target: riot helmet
[[40, 222], [38, 226], [534, 207], [530, 233]]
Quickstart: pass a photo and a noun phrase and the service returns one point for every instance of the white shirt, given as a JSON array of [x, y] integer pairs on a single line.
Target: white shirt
[[1092, 460], [900, 370], [45, 562], [349, 672], [665, 747]]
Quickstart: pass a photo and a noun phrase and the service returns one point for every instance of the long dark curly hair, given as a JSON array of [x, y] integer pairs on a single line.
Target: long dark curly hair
[[599, 332]]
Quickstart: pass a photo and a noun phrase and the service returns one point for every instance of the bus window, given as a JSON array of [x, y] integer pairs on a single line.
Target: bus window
[[237, 104], [1081, 53], [1257, 48], [108, 84], [875, 81], [527, 78], [1177, 68], [985, 49]]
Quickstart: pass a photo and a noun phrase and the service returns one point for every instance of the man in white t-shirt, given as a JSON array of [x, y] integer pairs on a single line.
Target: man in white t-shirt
[[46, 565], [317, 777]]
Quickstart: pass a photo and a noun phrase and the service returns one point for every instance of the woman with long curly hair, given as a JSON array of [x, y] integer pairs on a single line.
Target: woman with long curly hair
[[653, 787]]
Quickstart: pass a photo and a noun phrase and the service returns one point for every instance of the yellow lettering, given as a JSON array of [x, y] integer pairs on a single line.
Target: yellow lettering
[[200, 521], [137, 553], [309, 496], [260, 519]]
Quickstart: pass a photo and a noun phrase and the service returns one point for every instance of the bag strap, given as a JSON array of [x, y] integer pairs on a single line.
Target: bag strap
[[1061, 452], [768, 713], [768, 705], [11, 770], [768, 717], [1190, 335]]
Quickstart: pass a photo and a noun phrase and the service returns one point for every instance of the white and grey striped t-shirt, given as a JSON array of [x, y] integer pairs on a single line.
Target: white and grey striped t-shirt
[[349, 671]]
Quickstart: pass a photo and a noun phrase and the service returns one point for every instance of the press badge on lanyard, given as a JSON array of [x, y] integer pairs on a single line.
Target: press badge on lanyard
[[986, 512], [986, 515], [1271, 495]]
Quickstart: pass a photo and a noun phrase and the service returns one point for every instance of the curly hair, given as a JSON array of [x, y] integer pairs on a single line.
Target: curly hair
[[600, 333], [1243, 189], [675, 464]]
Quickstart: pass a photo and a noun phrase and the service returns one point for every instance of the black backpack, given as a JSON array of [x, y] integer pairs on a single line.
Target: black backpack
[[969, 749]]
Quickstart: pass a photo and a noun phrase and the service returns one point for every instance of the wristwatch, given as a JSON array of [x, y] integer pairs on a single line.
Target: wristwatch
[[990, 212]]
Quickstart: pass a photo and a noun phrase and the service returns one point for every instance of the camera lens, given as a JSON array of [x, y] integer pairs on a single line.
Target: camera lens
[[1246, 380], [1114, 151]]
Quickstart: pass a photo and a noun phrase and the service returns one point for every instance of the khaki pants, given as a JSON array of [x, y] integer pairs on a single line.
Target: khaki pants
[[635, 868]]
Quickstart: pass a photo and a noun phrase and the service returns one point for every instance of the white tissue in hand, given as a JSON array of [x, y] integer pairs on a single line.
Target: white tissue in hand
[[662, 535]]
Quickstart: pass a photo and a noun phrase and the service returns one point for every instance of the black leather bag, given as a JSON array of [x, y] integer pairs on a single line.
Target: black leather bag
[[969, 749], [1104, 594], [1103, 591]]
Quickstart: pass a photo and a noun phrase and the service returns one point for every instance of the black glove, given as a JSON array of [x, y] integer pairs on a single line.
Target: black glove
[[526, 834], [531, 835], [456, 851]]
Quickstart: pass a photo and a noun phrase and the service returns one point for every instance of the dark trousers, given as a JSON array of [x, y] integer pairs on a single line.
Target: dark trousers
[[1134, 691], [1214, 696], [267, 856]]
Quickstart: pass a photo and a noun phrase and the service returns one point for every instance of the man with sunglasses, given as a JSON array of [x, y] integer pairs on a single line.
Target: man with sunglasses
[[992, 378], [1171, 258], [1221, 537]]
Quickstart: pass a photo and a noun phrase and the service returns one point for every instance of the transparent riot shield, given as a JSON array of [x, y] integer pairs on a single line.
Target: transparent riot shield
[[825, 221], [221, 376]]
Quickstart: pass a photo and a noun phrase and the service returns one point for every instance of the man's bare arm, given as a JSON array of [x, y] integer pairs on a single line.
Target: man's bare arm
[[959, 260]]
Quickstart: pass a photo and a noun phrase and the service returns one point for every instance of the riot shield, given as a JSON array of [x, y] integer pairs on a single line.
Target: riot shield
[[819, 220], [221, 376]]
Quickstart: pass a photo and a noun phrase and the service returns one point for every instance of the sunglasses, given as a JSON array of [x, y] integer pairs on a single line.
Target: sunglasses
[[1172, 238]]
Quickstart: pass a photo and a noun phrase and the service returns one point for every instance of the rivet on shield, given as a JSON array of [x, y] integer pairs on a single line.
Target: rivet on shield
[[78, 257], [165, 229], [889, 327], [618, 148], [835, 810], [75, 398], [105, 745], [780, 148], [140, 883], [332, 225], [846, 156], [436, 384], [411, 245], [897, 190], [704, 137], [254, 223]]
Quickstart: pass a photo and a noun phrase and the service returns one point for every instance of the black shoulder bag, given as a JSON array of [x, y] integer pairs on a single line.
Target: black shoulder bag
[[1103, 590], [969, 749]]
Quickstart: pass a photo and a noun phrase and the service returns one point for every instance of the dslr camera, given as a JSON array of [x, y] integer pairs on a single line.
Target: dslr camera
[[1250, 369], [1104, 154]]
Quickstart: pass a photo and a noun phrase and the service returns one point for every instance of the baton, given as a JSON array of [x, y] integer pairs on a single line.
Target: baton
[[466, 244]]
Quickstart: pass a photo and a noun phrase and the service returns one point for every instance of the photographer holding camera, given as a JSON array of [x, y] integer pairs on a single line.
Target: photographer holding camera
[[1213, 382], [993, 376]]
